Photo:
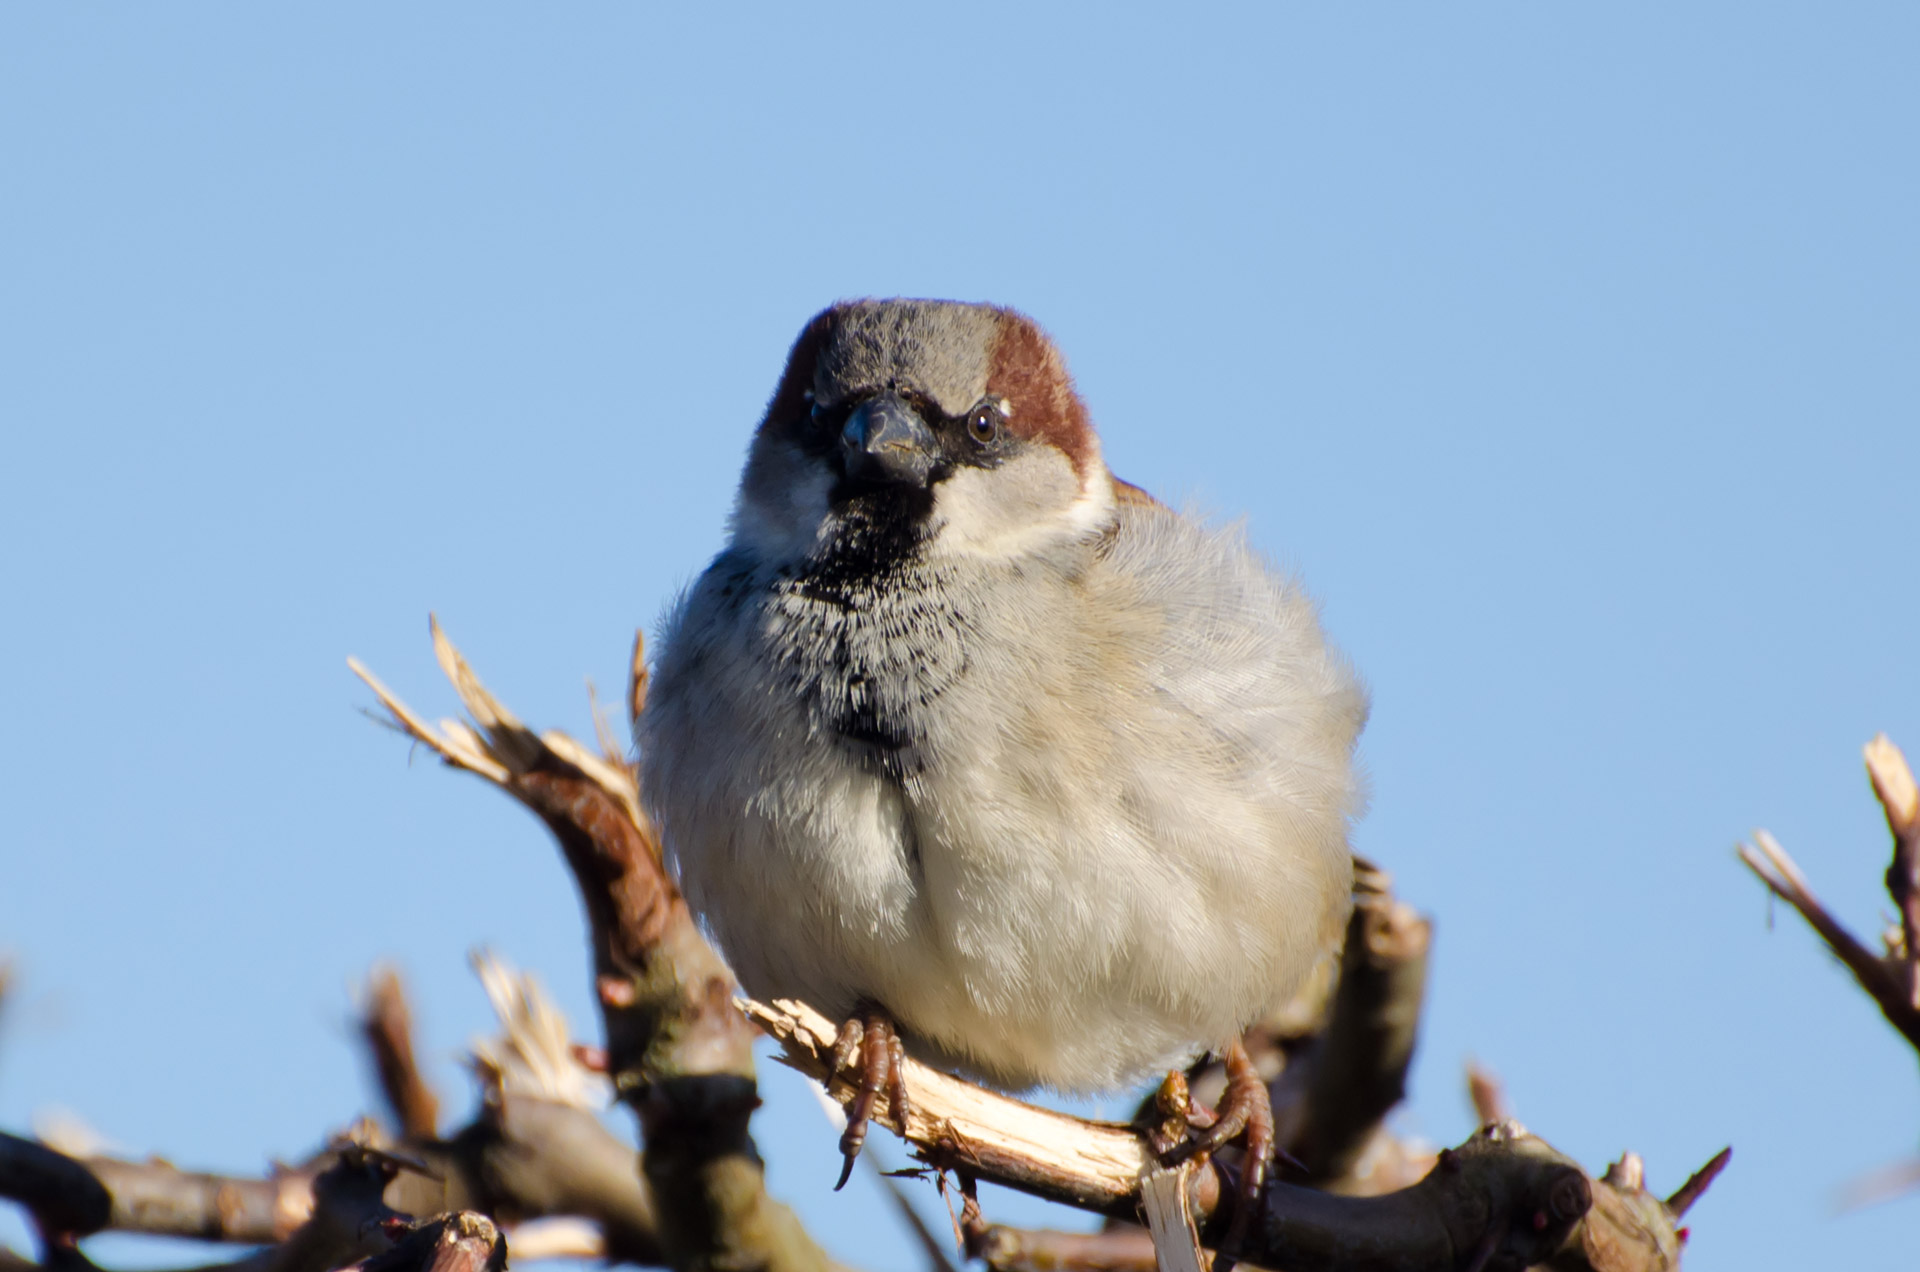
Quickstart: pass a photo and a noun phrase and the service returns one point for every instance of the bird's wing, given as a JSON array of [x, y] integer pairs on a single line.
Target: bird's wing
[[1127, 493]]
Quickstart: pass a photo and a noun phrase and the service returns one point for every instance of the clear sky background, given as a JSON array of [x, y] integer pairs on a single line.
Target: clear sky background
[[1568, 352]]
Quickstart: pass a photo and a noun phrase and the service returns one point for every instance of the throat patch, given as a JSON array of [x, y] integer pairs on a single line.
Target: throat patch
[[868, 654], [878, 537]]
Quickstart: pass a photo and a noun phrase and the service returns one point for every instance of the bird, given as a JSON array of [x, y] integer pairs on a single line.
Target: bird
[[969, 743]]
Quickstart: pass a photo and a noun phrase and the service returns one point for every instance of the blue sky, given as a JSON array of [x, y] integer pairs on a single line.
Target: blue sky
[[1567, 352]]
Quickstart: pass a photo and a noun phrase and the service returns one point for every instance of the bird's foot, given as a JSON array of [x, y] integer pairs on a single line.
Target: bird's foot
[[869, 1049], [1185, 1133]]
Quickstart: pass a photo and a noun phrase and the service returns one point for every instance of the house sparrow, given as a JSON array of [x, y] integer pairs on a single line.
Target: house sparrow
[[964, 736]]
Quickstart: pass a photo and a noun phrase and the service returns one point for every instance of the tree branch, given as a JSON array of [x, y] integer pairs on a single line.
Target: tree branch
[[1504, 1196], [386, 1026], [1888, 981], [69, 1199], [679, 1053], [1893, 785], [1331, 1100], [462, 1241], [60, 1193]]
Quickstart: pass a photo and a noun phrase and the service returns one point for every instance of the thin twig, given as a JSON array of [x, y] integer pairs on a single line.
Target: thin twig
[[1488, 1094], [1697, 1183], [1893, 785], [1882, 982]]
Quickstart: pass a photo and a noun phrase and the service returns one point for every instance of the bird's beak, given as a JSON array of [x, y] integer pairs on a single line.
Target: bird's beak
[[886, 441]]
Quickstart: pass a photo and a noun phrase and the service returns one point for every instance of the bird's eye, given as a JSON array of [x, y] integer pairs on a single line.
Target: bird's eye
[[983, 423]]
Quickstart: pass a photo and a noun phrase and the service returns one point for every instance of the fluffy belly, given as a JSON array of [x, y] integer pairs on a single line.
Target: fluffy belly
[[999, 956]]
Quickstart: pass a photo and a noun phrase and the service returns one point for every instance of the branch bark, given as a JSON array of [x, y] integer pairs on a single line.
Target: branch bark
[[1899, 798], [386, 1026], [463, 1241], [1502, 1200], [1333, 1097], [69, 1199], [1889, 981], [679, 1053]]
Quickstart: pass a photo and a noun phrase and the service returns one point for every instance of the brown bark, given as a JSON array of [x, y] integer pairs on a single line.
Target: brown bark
[[1892, 980], [1334, 1095], [679, 1053], [68, 1199], [1502, 1200], [463, 1241], [386, 1025]]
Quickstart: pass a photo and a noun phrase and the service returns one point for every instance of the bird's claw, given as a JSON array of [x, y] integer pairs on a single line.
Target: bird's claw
[[1184, 1133], [869, 1047]]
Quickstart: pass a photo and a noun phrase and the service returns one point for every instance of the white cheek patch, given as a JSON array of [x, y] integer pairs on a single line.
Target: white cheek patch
[[1026, 504]]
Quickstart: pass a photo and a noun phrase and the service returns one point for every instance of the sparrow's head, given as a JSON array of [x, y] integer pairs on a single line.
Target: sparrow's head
[[922, 426]]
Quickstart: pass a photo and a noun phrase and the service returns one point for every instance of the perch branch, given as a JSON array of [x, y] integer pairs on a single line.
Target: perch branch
[[1503, 1192]]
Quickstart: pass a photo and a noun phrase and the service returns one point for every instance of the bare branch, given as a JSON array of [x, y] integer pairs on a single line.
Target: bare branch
[[559, 1238], [60, 1193], [349, 1209], [1503, 1189], [1698, 1183], [534, 1053], [1332, 1099], [932, 1246], [464, 1241], [386, 1025], [678, 1051], [70, 1199], [1041, 1250], [1488, 1095], [1884, 980], [954, 1124], [1893, 785]]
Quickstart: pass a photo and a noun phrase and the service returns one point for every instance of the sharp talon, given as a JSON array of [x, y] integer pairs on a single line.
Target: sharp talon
[[869, 1046], [1247, 1104], [897, 1079]]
